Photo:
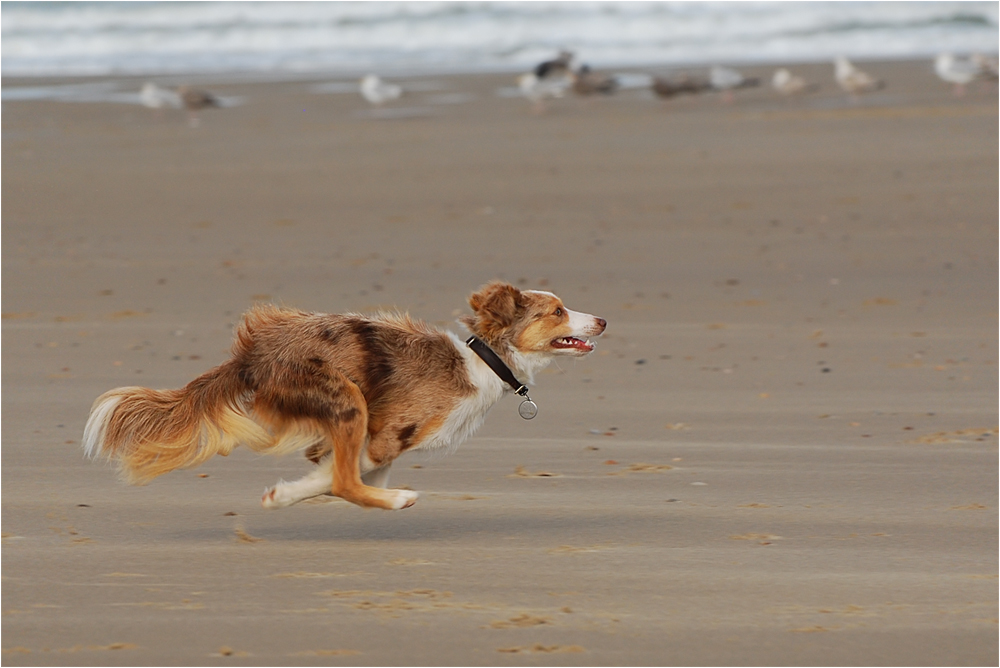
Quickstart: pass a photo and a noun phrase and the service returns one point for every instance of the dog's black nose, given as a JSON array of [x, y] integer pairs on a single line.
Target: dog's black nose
[[602, 323]]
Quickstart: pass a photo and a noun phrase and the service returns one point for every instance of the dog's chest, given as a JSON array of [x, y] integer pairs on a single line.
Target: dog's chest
[[470, 411]]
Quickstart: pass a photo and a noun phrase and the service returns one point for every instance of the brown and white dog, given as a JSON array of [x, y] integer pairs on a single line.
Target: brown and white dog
[[353, 391]]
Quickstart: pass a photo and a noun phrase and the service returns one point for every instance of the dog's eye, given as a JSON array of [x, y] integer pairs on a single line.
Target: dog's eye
[[558, 312]]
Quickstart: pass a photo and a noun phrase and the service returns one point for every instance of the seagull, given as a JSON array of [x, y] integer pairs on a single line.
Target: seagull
[[154, 97], [988, 66], [587, 82], [379, 92], [195, 100], [787, 83], [853, 80], [957, 71], [557, 67], [682, 85], [538, 90], [727, 80], [550, 79]]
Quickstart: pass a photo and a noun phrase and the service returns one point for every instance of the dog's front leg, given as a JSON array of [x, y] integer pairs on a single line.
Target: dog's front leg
[[348, 436]]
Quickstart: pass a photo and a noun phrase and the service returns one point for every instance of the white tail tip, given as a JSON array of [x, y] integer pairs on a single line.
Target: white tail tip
[[97, 424]]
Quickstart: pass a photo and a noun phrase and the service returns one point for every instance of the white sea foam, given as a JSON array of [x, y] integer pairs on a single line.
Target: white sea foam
[[194, 37]]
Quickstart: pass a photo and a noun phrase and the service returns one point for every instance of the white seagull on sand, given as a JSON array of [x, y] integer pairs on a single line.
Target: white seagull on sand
[[538, 90], [853, 80], [787, 83], [957, 71], [379, 92], [727, 80], [154, 97]]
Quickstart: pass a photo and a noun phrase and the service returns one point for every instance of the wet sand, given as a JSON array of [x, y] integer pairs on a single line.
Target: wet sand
[[784, 451]]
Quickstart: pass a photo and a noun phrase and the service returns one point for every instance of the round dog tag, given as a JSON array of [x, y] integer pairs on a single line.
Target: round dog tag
[[528, 409]]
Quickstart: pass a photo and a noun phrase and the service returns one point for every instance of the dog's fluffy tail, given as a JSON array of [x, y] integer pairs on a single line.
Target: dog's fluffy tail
[[151, 432]]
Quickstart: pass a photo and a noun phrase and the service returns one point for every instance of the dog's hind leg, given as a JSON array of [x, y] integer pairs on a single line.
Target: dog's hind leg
[[319, 482], [315, 483]]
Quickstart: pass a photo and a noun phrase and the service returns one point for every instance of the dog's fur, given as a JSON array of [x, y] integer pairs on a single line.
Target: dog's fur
[[353, 391]]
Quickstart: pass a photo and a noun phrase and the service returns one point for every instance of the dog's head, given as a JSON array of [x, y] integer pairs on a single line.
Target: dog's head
[[530, 321]]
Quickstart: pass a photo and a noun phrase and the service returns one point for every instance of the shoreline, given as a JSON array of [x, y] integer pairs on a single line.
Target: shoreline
[[291, 76], [908, 82]]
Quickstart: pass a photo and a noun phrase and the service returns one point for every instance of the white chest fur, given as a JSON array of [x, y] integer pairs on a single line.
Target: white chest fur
[[471, 411]]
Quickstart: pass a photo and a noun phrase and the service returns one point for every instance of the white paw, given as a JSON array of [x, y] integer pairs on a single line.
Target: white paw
[[403, 498], [273, 498]]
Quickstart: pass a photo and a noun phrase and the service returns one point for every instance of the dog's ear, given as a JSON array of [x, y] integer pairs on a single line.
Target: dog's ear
[[497, 304]]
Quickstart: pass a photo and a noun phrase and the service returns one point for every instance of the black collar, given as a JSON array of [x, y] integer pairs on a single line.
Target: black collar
[[494, 362]]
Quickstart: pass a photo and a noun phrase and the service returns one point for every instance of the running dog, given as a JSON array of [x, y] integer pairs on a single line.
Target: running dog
[[353, 391]]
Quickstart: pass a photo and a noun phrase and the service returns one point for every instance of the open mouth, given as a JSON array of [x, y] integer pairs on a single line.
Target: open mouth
[[573, 343]]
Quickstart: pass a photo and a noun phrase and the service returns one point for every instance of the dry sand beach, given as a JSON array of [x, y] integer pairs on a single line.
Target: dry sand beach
[[784, 450]]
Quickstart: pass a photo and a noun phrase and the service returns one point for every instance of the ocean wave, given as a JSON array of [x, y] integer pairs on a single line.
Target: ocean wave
[[171, 37]]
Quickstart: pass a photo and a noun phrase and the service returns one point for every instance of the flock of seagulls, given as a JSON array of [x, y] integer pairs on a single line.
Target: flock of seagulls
[[554, 78]]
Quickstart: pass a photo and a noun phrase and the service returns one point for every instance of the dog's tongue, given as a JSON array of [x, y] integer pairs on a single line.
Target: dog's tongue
[[573, 342]]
